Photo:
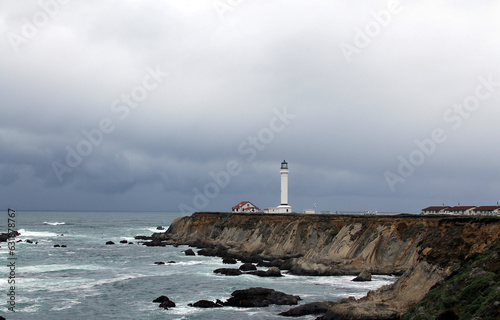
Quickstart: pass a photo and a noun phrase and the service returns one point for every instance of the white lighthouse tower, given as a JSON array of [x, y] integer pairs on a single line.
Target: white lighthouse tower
[[284, 183], [284, 207]]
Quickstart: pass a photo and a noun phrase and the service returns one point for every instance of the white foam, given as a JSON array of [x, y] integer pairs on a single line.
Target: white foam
[[65, 304], [73, 284], [59, 267], [54, 223], [188, 263], [154, 230], [26, 233]]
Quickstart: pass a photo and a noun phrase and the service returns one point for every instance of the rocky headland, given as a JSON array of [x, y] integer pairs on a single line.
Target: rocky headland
[[424, 250]]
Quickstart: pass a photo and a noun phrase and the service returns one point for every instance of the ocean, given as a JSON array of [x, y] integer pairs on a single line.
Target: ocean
[[88, 279]]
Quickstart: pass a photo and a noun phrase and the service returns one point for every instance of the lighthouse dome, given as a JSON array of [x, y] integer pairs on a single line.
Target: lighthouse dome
[[284, 165]]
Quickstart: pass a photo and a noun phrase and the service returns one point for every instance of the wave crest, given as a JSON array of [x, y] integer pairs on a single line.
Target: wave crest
[[54, 223]]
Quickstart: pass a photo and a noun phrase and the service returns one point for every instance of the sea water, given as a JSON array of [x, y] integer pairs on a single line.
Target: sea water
[[88, 279]]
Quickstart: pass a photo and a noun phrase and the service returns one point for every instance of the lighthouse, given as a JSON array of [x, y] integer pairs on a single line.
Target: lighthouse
[[284, 183], [284, 207]]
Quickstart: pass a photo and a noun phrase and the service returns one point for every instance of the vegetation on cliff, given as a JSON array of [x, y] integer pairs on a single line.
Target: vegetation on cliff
[[470, 292]]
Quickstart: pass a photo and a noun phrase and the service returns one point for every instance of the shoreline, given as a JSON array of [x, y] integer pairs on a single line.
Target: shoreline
[[423, 249]]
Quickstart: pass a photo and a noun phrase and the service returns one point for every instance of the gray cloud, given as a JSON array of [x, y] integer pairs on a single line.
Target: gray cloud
[[226, 80]]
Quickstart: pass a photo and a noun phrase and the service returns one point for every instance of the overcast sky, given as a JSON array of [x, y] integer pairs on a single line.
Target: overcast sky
[[192, 105]]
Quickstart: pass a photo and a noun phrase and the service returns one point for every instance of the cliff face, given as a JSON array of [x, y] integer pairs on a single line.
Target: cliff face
[[422, 248]]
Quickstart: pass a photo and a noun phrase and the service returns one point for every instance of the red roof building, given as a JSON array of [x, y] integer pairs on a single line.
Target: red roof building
[[467, 210], [461, 209], [487, 210], [246, 206], [435, 210]]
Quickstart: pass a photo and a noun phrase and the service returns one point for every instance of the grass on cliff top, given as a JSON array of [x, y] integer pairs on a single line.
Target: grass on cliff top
[[470, 292]]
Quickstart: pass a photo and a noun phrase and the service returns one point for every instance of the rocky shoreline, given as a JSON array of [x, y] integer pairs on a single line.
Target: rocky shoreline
[[424, 250]]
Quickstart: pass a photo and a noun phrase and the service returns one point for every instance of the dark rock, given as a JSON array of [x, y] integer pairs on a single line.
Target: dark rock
[[143, 238], [213, 252], [189, 252], [260, 297], [229, 261], [165, 302], [277, 263], [29, 241], [160, 299], [307, 309], [271, 272], [228, 271], [57, 246], [130, 242], [63, 246], [287, 265], [109, 242], [160, 228], [6, 236], [250, 259], [260, 273], [159, 236], [364, 276], [159, 262], [154, 243], [124, 241], [206, 304], [248, 267], [171, 261], [266, 264]]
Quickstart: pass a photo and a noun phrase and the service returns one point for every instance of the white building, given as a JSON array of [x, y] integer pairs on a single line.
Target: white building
[[246, 206], [284, 207]]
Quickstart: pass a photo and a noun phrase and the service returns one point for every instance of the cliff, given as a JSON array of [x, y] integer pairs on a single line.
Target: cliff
[[470, 292], [424, 249]]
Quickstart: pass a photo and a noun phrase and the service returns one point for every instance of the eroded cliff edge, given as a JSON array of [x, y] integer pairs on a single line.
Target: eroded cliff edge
[[424, 249]]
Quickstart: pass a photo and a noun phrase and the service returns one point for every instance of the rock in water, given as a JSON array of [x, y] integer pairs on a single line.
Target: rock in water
[[206, 304], [271, 272], [260, 297], [364, 276], [229, 261], [165, 302], [161, 299], [307, 309], [189, 252], [228, 271], [109, 242], [248, 267]]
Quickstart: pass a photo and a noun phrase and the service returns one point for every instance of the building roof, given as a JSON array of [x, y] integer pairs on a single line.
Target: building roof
[[461, 208], [486, 208], [435, 208], [242, 203]]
